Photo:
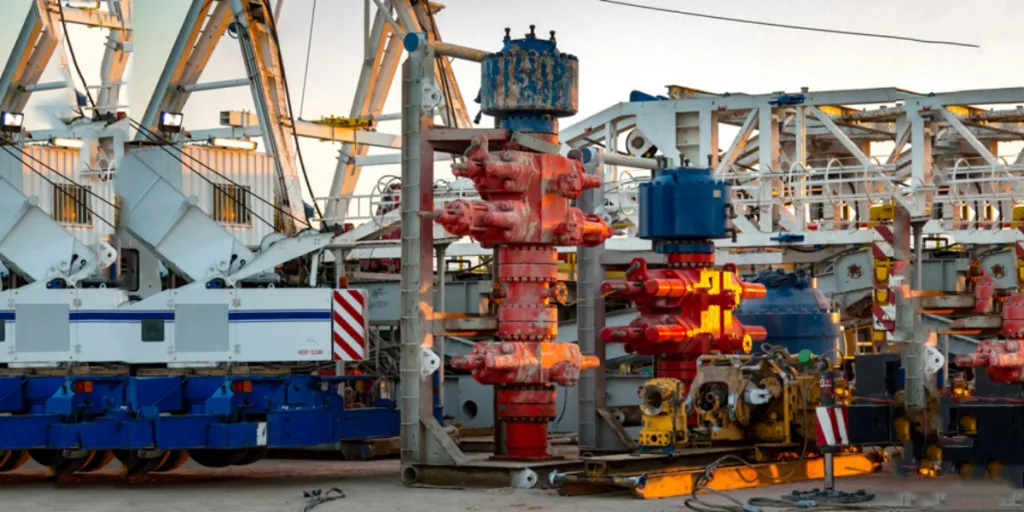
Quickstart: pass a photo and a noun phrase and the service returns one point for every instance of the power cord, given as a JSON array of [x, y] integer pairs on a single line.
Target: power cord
[[317, 497], [758, 504]]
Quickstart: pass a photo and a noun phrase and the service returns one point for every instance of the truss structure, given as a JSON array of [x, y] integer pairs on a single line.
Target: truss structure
[[808, 167], [42, 39]]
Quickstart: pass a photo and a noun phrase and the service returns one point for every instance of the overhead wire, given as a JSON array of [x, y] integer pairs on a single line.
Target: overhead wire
[[74, 59], [309, 51], [92, 103], [291, 117], [63, 190], [791, 27], [151, 135], [163, 143], [62, 176]]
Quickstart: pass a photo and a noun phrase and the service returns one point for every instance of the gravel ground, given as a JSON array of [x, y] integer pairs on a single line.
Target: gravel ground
[[374, 486]]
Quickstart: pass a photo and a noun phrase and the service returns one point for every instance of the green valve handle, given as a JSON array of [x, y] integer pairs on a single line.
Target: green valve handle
[[806, 358]]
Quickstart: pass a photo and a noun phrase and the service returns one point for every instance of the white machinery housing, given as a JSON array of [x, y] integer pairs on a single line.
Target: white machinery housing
[[212, 319]]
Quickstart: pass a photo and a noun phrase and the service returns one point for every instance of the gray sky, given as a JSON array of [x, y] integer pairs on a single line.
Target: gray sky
[[620, 49]]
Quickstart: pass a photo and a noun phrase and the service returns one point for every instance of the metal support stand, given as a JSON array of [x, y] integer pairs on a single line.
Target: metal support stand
[[831, 438], [429, 455], [442, 275], [599, 432], [423, 438]]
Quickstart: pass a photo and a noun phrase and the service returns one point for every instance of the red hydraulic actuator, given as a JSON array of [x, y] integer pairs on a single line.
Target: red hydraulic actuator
[[1003, 359], [524, 211], [685, 311]]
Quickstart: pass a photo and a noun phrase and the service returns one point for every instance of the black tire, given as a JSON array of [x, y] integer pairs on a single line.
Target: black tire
[[252, 456], [172, 460], [47, 458], [133, 465], [98, 460], [11, 460], [217, 458]]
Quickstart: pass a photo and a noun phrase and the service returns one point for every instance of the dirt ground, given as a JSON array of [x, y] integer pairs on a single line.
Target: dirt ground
[[374, 486]]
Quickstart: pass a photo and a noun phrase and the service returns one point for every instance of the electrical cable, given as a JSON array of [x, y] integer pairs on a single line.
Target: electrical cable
[[57, 187], [791, 27], [305, 73], [695, 503], [318, 497], [150, 134], [291, 117], [155, 137], [65, 178], [701, 485], [74, 59], [205, 178]]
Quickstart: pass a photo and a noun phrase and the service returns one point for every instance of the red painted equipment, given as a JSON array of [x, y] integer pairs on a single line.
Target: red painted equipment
[[525, 213], [1003, 359], [685, 311]]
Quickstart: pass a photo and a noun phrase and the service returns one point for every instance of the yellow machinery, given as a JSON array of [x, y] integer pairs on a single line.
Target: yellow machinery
[[766, 400]]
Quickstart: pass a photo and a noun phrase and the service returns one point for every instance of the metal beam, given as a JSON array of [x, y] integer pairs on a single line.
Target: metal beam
[[840, 135], [222, 84], [310, 130], [738, 143], [982, 149], [172, 78]]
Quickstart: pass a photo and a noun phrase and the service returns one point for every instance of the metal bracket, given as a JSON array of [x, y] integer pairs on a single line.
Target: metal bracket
[[431, 95], [933, 360], [429, 362]]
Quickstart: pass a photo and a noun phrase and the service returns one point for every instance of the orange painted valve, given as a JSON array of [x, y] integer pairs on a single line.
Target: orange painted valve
[[685, 311], [524, 211], [526, 363], [1003, 359]]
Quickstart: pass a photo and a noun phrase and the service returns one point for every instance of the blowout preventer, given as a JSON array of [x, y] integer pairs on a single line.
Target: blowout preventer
[[524, 212], [686, 309], [1003, 359]]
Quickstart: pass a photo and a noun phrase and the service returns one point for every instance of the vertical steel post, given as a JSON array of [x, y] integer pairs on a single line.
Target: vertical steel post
[[588, 293], [918, 228], [442, 272], [499, 426], [595, 434], [828, 401], [412, 321]]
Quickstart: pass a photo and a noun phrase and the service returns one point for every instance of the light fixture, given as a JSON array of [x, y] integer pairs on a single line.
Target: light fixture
[[170, 122], [10, 122], [67, 142], [224, 142], [84, 4]]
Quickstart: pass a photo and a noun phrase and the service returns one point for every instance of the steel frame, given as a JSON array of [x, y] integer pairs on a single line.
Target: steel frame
[[383, 50], [204, 27], [816, 179], [41, 37]]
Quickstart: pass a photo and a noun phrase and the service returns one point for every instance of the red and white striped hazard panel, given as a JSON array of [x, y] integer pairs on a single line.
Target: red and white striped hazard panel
[[351, 316], [832, 423]]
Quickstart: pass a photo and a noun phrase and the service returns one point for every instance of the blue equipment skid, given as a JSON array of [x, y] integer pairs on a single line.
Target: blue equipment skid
[[184, 412]]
